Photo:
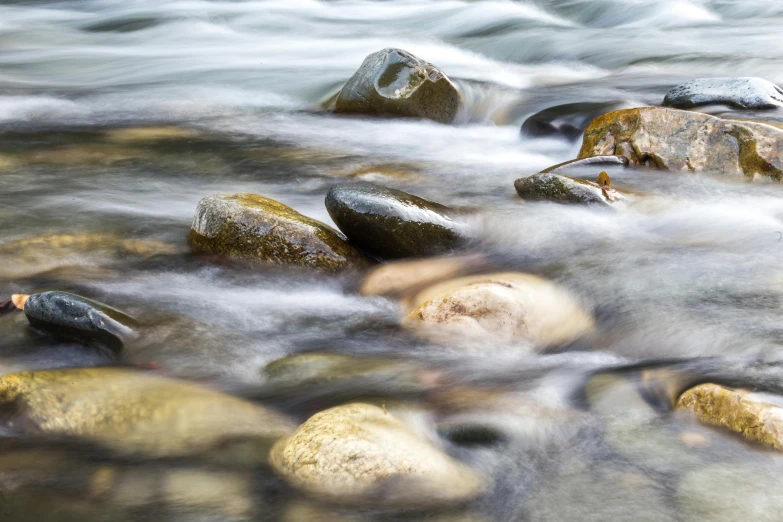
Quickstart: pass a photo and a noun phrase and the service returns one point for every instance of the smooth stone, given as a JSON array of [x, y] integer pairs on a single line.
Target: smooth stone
[[748, 414], [678, 140], [559, 188], [592, 163], [741, 93], [141, 415], [568, 120], [77, 318], [252, 227], [389, 223], [393, 82], [504, 307], [357, 453]]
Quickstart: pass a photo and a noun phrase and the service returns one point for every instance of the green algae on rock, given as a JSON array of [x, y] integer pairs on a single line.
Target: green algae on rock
[[252, 227], [678, 140], [393, 82], [139, 414], [390, 224], [358, 453]]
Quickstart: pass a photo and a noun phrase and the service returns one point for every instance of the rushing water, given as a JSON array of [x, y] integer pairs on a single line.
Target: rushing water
[[231, 91]]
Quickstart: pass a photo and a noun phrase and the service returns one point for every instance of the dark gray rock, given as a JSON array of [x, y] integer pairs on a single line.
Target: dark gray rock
[[393, 82], [77, 318], [568, 120], [742, 93], [389, 223], [594, 162], [549, 186]]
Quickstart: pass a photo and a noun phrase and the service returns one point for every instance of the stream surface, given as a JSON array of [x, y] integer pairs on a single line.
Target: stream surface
[[116, 118]]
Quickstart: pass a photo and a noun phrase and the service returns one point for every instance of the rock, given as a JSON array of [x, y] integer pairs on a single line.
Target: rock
[[141, 415], [585, 164], [77, 318], [252, 227], [741, 93], [568, 120], [505, 307], [389, 223], [357, 453], [754, 417], [393, 82], [683, 140], [561, 189]]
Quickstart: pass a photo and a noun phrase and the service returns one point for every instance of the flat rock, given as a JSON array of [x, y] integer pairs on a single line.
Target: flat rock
[[678, 140], [592, 163], [393, 82], [559, 188], [252, 227], [741, 93], [357, 453], [390, 224]]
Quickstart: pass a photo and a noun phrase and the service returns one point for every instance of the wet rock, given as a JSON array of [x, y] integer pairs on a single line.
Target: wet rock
[[505, 307], [393, 82], [358, 453], [77, 318], [559, 188], [741, 93], [687, 141], [568, 120], [593, 163], [389, 223], [753, 416], [252, 227], [139, 414]]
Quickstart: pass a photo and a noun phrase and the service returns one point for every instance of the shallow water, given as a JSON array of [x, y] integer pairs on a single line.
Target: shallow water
[[116, 118]]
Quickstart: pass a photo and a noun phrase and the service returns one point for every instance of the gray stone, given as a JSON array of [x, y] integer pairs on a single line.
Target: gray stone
[[560, 189], [742, 93]]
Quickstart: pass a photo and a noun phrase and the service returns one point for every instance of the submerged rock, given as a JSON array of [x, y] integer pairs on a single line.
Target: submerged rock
[[139, 414], [393, 82], [682, 140], [252, 227], [358, 453], [742, 93], [568, 120], [754, 417], [77, 318], [592, 163], [561, 189], [389, 223], [504, 307]]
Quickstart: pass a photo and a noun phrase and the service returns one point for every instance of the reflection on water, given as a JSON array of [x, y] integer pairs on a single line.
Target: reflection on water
[[116, 118]]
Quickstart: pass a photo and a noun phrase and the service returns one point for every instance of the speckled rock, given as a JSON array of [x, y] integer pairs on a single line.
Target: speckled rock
[[357, 453], [741, 93], [592, 163], [73, 317], [390, 224], [252, 227], [687, 141], [140, 414], [504, 307], [559, 188], [753, 416], [393, 82]]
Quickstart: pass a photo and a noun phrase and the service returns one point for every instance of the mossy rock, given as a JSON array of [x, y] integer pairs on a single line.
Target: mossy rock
[[359, 454], [139, 414], [559, 188], [393, 82], [740, 93], [678, 140], [392, 224], [252, 227]]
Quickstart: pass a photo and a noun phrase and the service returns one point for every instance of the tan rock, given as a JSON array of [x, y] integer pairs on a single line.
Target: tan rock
[[739, 411], [687, 141], [505, 307], [358, 453]]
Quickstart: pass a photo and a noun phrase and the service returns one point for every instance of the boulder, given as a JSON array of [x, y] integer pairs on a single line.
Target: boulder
[[505, 307], [393, 82], [399, 279], [753, 416], [389, 223], [741, 93], [559, 188], [568, 120], [140, 415], [358, 453], [687, 141], [252, 227], [77, 318]]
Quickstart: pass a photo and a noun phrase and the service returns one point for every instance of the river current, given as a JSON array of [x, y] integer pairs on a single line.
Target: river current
[[116, 118]]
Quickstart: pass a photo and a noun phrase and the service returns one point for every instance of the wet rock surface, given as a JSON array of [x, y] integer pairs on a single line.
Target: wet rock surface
[[390, 224], [687, 141], [593, 162], [741, 93], [561, 189], [568, 120], [252, 227], [393, 82]]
